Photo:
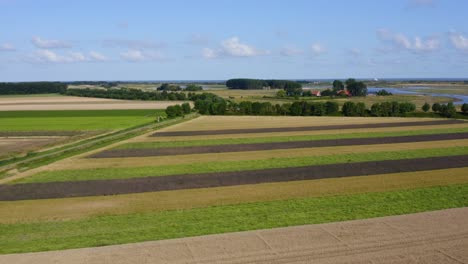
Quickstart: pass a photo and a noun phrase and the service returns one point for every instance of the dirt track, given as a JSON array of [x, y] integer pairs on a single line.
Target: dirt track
[[191, 181], [432, 237], [305, 128], [148, 152]]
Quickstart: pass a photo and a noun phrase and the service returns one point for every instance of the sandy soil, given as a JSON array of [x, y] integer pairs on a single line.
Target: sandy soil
[[29, 191], [431, 237], [77, 103], [251, 122], [18, 145], [306, 128]]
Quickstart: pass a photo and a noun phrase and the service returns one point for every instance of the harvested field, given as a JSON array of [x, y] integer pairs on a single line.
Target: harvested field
[[431, 238], [16, 134], [132, 162], [242, 165], [254, 122], [177, 182], [9, 146], [76, 103], [83, 207], [118, 153], [308, 128]]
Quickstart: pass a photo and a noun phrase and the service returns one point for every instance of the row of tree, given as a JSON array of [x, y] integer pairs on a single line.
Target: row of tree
[[178, 110], [257, 84], [32, 88], [127, 94]]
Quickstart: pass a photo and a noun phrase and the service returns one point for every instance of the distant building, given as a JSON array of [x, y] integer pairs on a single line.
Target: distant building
[[316, 93], [343, 92]]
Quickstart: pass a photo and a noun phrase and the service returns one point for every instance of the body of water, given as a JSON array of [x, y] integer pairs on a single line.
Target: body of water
[[460, 99]]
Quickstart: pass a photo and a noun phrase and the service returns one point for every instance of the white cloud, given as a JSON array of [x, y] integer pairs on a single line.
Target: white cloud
[[49, 43], [209, 53], [318, 49], [97, 56], [135, 55], [459, 41], [7, 47], [233, 47], [290, 51], [400, 41], [48, 56]]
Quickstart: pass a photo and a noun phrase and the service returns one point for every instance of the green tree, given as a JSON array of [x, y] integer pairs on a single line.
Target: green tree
[[281, 93], [186, 108], [426, 107], [331, 107], [356, 88], [448, 110], [464, 108], [337, 85], [436, 107], [349, 109], [361, 109]]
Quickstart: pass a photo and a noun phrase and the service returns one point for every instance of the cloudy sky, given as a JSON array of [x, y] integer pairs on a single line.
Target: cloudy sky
[[221, 39]]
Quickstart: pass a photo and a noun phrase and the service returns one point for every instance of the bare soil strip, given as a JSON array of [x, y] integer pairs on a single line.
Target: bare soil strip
[[39, 133], [430, 237], [304, 128], [207, 180], [148, 152]]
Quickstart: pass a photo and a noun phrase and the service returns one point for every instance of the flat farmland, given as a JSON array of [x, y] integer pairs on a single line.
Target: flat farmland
[[56, 102], [75, 120], [273, 172]]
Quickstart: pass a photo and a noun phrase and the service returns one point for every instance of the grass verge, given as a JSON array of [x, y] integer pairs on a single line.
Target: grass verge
[[192, 168], [109, 230]]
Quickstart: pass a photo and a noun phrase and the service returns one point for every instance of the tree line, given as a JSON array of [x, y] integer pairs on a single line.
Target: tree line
[[127, 94], [256, 84], [32, 87]]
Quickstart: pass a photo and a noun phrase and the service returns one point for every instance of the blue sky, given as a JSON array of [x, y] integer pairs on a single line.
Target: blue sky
[[221, 39]]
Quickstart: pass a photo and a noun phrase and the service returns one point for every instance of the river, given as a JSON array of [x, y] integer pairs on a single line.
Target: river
[[459, 99]]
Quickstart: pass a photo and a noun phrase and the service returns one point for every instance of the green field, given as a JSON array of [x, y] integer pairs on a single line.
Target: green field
[[118, 229], [75, 119], [125, 173]]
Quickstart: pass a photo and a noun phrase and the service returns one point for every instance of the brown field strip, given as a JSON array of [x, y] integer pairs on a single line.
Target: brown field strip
[[190, 181], [149, 138], [82, 207], [39, 133], [253, 122], [84, 163], [303, 128], [145, 152]]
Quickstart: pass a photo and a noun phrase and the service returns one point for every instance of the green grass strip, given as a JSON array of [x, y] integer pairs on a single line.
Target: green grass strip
[[210, 142], [118, 229], [165, 170]]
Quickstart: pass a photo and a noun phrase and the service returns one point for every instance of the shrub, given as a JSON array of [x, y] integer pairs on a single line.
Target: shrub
[[186, 108], [426, 107]]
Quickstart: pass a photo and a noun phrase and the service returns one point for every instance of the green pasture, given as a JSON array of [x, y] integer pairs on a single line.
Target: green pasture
[[75, 119], [119, 229]]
